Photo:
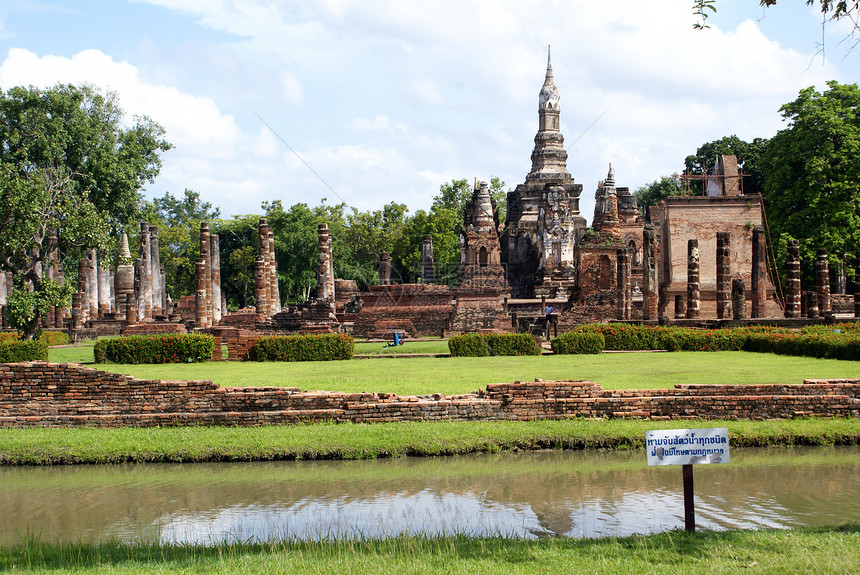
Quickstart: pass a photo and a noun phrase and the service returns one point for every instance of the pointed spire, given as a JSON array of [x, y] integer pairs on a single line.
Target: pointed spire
[[610, 178], [549, 96], [124, 252], [548, 61]]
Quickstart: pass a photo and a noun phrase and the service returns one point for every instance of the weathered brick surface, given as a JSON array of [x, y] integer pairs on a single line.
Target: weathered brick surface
[[39, 394]]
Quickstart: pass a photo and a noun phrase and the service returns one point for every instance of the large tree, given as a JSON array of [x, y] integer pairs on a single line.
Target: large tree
[[748, 155], [812, 172], [68, 167]]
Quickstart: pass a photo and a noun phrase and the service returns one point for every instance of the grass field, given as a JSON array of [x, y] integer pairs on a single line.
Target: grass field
[[458, 375], [816, 550], [35, 446]]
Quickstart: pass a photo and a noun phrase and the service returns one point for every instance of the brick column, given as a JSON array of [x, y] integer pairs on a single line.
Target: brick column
[[325, 270], [261, 276], [428, 276], [384, 269], [274, 290], [622, 287], [103, 281], [693, 290], [811, 304], [759, 272], [92, 293], [81, 305], [724, 277], [146, 278], [857, 286], [157, 279], [130, 309], [215, 270], [203, 276], [680, 306], [792, 279], [739, 301], [822, 282], [649, 274]]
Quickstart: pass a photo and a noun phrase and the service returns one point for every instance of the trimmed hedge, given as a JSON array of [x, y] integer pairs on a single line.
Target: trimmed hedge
[[821, 344], [482, 345], [622, 336], [16, 351], [578, 343], [47, 337], [323, 347], [168, 348]]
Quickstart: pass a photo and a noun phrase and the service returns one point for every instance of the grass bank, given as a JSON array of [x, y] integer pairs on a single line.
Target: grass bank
[[456, 375], [812, 550], [359, 441]]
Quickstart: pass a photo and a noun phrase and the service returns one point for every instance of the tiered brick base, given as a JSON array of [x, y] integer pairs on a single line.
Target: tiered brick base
[[39, 394]]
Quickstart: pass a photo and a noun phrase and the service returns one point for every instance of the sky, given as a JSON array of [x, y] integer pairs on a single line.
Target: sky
[[375, 101]]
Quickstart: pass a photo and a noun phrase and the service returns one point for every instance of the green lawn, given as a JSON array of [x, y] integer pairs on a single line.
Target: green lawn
[[373, 348], [816, 550], [466, 374]]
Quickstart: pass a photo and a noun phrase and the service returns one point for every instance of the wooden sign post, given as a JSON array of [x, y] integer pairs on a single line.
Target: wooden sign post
[[687, 447]]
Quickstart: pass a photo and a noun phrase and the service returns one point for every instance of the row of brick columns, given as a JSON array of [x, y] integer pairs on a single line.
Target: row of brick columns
[[730, 292]]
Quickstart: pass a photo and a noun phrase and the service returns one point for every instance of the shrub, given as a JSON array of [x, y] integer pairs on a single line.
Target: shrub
[[168, 348], [482, 345], [584, 342], [816, 343], [468, 345], [47, 337], [622, 336], [16, 350], [704, 340], [324, 347]]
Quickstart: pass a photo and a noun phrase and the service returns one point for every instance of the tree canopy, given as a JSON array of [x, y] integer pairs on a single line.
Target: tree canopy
[[67, 168]]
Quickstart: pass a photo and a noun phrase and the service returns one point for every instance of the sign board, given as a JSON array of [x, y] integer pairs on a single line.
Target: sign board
[[687, 446]]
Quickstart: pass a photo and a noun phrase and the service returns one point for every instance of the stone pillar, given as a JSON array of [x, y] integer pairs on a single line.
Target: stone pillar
[[428, 276], [384, 269], [822, 282], [274, 289], [857, 286], [792, 279], [78, 319], [261, 276], [811, 304], [759, 272], [124, 278], [650, 288], [325, 270], [103, 280], [139, 280], [739, 301], [146, 279], [215, 257], [680, 306], [92, 285], [841, 276], [622, 294], [157, 280], [694, 294], [724, 276], [131, 309], [203, 276]]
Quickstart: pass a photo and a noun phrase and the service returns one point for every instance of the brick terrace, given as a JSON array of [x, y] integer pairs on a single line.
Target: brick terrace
[[40, 394]]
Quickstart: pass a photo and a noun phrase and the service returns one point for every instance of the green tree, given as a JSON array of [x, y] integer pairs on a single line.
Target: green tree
[[237, 238], [69, 166], [178, 221], [649, 194], [832, 10], [812, 183], [748, 155]]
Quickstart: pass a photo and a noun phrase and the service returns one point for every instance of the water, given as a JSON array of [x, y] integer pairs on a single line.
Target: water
[[568, 494]]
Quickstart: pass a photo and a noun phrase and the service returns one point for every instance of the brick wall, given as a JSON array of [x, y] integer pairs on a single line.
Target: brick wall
[[39, 394]]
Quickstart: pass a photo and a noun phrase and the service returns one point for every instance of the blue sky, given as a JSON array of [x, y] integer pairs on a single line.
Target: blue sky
[[387, 100]]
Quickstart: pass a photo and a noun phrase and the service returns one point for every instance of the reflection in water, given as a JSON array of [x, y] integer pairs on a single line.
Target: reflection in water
[[570, 494]]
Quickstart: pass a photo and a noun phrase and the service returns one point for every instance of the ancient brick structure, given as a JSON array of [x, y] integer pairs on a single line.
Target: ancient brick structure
[[822, 282], [792, 279], [203, 281], [39, 394], [266, 292], [325, 265], [416, 309], [5, 292], [384, 269], [428, 275], [724, 275], [739, 302], [623, 301], [649, 274], [759, 272], [159, 293], [218, 303], [693, 293], [811, 304], [543, 222]]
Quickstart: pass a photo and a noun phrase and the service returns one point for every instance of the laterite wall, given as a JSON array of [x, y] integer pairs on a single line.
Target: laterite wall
[[39, 394]]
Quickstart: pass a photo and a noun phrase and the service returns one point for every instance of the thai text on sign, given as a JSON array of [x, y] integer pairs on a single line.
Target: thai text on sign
[[687, 446]]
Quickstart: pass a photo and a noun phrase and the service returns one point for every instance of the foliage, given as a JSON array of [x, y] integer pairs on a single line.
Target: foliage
[[830, 342], [578, 343], [48, 337], [812, 187], [832, 10], [323, 347], [16, 351], [749, 156], [622, 336], [169, 348], [68, 168], [494, 344], [238, 241], [649, 194]]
